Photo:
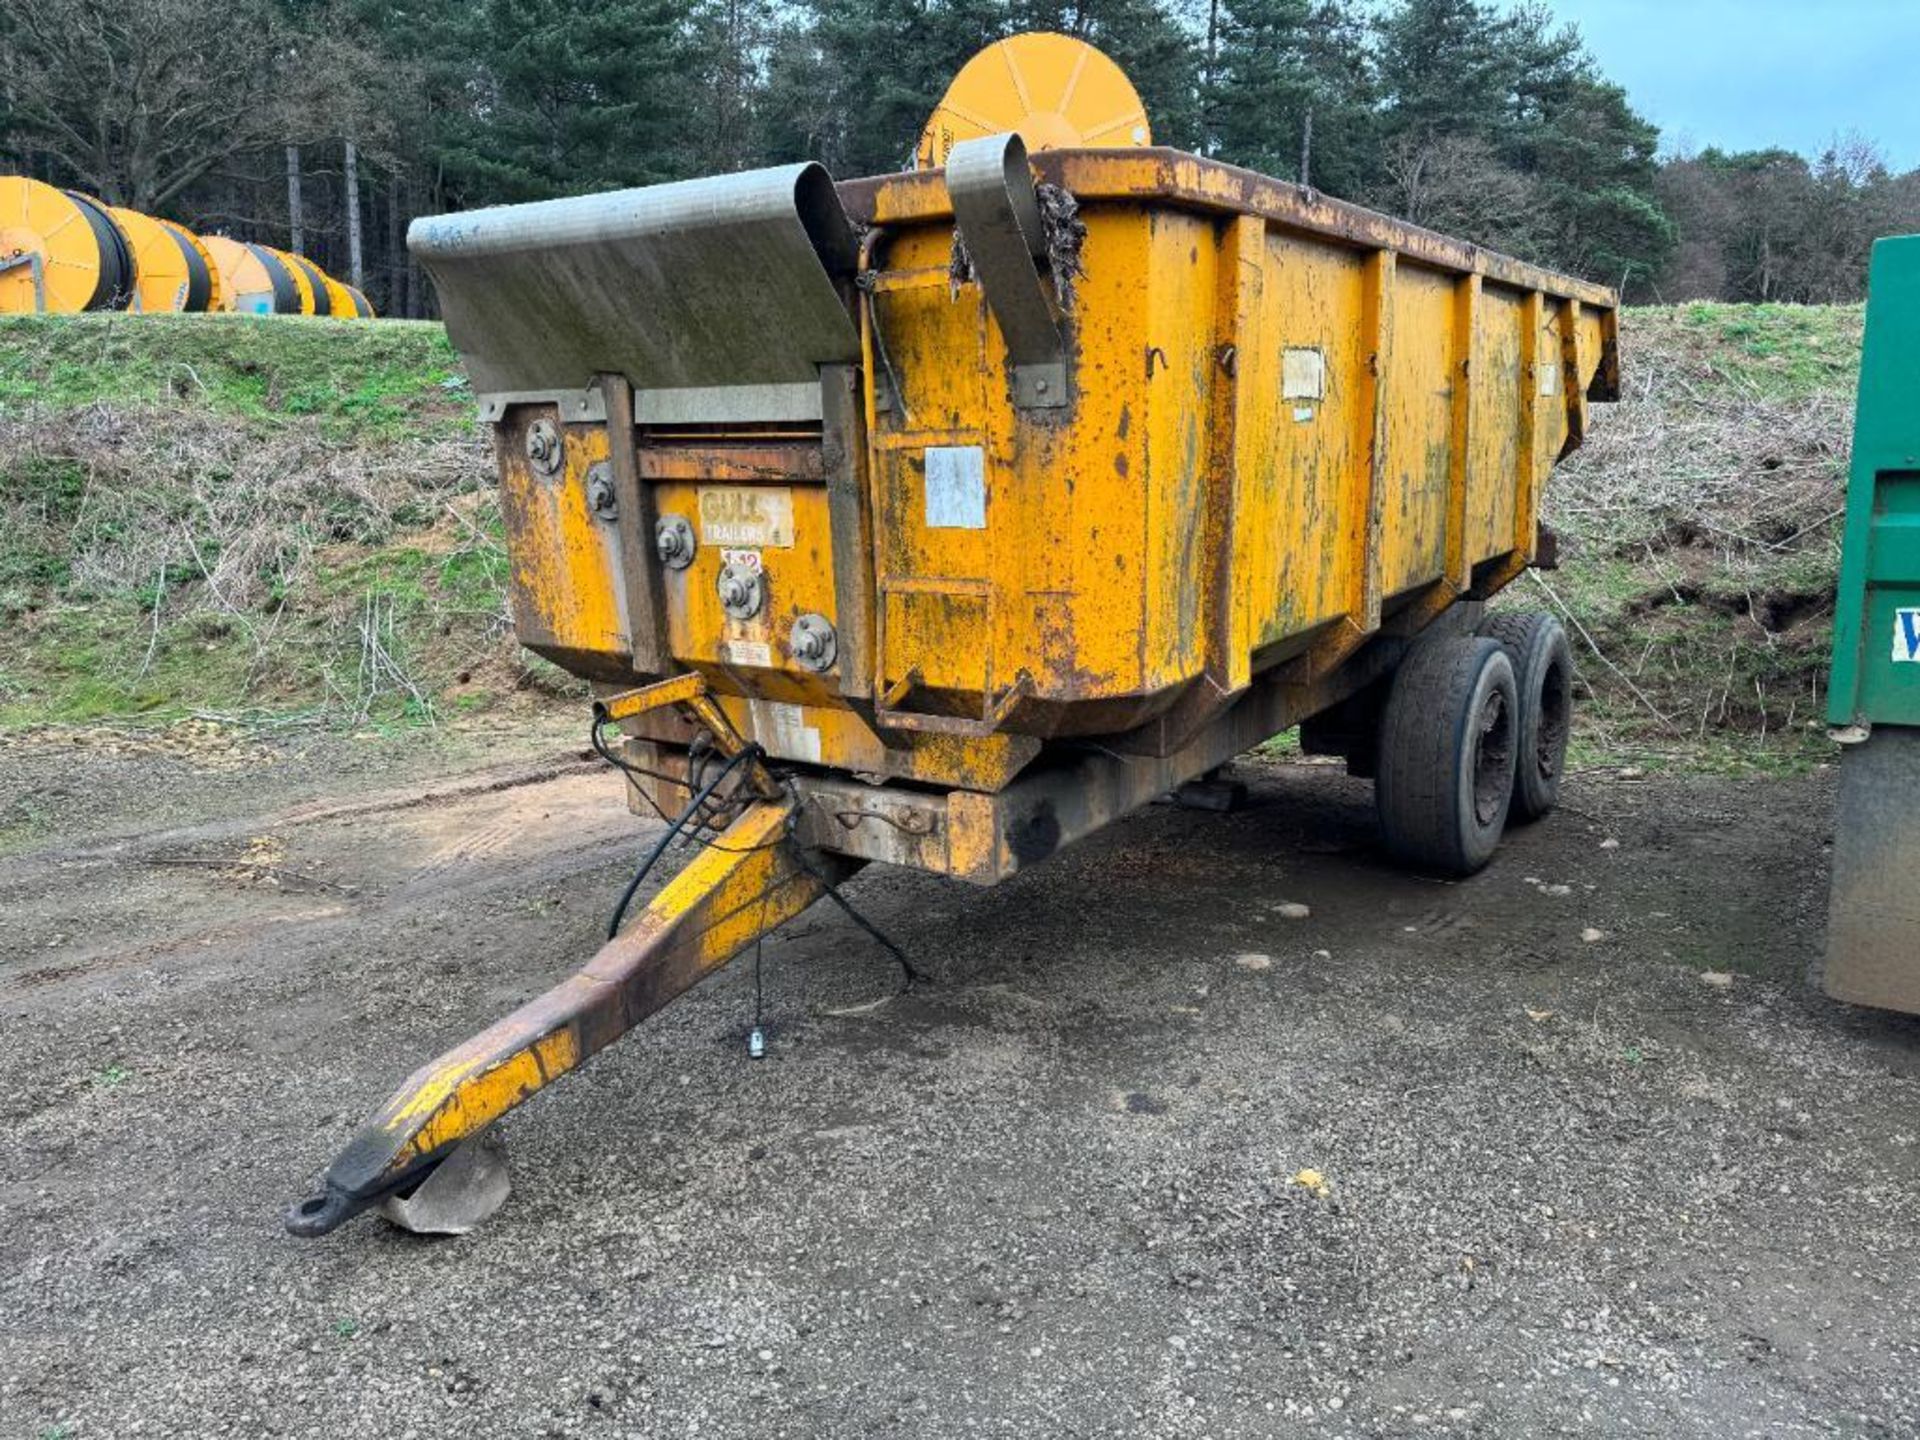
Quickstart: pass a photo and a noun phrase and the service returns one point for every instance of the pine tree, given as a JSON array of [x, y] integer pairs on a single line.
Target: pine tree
[[562, 99], [1277, 62]]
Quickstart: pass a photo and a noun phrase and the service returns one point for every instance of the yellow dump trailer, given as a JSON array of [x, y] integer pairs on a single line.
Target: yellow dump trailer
[[941, 518]]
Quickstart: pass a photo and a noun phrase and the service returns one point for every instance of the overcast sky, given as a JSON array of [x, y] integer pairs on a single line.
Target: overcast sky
[[1746, 74]]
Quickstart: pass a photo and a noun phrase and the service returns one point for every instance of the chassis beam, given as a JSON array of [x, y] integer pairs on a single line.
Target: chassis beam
[[745, 883]]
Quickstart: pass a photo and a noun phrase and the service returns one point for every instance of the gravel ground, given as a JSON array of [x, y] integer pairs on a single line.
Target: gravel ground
[[1567, 1149]]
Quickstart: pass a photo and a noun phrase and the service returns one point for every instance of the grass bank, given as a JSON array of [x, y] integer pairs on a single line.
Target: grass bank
[[224, 516]]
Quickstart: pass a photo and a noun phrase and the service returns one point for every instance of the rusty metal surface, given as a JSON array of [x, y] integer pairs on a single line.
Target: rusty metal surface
[[639, 566], [991, 190], [1873, 925], [843, 453], [1177, 178], [721, 283], [985, 837]]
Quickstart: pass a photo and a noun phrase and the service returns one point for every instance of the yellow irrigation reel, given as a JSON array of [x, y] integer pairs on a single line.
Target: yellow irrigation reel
[[319, 298], [254, 282], [188, 241], [340, 303], [172, 271], [1055, 91], [60, 251]]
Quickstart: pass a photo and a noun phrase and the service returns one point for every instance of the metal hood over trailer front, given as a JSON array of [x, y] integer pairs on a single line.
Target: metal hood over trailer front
[[717, 299]]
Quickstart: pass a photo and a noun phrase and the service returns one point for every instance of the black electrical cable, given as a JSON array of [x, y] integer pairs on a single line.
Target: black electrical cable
[[199, 279], [752, 752], [598, 740], [676, 824], [909, 974], [114, 287], [286, 295], [322, 297]]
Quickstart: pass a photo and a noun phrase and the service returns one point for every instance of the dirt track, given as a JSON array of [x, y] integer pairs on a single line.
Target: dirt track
[[1571, 1186]]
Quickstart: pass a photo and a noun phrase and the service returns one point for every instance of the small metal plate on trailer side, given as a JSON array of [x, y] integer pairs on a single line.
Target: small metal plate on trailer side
[[750, 516], [956, 487], [1303, 373], [783, 729]]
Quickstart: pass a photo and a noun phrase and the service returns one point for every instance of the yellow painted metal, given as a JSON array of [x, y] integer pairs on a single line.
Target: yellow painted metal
[[217, 297], [562, 582], [160, 280], [40, 221], [302, 281], [342, 305], [319, 297], [245, 285], [1056, 91], [1293, 433], [1293, 425], [680, 690], [731, 892], [1291, 420]]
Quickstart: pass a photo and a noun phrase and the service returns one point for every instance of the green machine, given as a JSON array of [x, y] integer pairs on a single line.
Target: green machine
[[1873, 931]]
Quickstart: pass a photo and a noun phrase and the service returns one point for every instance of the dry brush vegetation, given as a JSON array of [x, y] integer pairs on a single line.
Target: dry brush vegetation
[[236, 519], [1702, 526]]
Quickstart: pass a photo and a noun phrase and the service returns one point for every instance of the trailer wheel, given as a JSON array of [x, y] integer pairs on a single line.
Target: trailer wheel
[[1543, 671], [1447, 740]]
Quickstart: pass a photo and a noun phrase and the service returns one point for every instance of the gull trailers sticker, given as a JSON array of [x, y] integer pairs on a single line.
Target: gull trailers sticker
[[1906, 636]]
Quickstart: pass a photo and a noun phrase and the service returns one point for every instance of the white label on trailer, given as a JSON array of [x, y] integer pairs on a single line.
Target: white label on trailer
[[1906, 636], [759, 515], [747, 652], [1303, 373], [956, 487], [783, 729], [1549, 377]]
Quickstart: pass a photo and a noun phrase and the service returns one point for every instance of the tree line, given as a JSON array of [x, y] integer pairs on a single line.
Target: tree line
[[300, 121]]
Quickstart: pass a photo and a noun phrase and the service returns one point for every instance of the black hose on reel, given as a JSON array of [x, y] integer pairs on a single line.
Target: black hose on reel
[[322, 297], [199, 280], [114, 289], [286, 294]]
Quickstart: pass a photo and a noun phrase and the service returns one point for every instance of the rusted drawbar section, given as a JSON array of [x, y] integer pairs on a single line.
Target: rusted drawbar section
[[966, 510]]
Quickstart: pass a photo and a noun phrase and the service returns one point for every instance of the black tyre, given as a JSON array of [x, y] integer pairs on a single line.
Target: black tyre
[[1543, 674], [1447, 740]]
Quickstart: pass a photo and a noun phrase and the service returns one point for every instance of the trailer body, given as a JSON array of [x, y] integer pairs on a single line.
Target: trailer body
[[1282, 429], [948, 516]]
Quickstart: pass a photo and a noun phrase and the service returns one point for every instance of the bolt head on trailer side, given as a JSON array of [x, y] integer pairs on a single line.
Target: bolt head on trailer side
[[948, 516]]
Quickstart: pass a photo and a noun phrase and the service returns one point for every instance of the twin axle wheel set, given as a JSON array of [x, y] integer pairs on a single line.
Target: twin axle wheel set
[[1473, 737]]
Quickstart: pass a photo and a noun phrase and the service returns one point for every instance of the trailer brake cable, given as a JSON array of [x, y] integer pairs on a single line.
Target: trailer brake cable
[[674, 827], [676, 824]]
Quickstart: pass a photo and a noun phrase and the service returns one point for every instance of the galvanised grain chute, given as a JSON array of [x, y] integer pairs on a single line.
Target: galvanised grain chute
[[942, 518]]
